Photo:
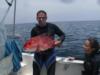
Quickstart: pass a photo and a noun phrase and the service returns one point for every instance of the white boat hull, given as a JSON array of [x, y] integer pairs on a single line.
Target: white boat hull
[[63, 66]]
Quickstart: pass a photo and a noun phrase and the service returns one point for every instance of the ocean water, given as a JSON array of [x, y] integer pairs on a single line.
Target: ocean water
[[76, 32]]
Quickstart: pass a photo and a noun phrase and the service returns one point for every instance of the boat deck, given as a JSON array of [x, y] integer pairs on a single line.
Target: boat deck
[[63, 67]]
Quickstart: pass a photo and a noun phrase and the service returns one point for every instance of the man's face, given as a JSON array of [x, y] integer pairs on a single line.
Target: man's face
[[41, 18], [87, 47]]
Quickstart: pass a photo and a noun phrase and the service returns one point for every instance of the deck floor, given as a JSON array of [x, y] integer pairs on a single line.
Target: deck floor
[[26, 66], [61, 69]]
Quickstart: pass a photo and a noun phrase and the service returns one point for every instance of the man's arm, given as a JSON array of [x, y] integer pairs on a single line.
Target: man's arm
[[61, 35]]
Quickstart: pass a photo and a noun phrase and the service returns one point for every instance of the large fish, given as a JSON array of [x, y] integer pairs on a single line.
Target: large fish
[[39, 43]]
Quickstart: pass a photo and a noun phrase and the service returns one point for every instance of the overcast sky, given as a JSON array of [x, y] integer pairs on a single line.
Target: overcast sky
[[58, 10]]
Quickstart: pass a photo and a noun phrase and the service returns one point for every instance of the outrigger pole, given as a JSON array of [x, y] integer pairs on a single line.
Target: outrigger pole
[[14, 22]]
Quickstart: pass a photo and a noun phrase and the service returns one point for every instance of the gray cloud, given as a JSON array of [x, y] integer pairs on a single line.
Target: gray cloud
[[67, 1], [98, 1], [58, 10]]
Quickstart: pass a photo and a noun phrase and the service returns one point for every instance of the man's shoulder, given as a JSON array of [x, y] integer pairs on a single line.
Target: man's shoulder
[[35, 26], [34, 29], [51, 24]]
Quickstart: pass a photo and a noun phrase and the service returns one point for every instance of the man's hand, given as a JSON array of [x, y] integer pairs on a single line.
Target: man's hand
[[58, 43]]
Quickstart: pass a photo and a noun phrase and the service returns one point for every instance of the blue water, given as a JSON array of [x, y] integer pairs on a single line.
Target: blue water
[[76, 33]]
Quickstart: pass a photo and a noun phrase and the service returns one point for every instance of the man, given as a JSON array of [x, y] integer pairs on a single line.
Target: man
[[47, 57], [92, 57]]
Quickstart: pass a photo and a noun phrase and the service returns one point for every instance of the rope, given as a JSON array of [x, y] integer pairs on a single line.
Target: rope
[[9, 3], [6, 13]]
